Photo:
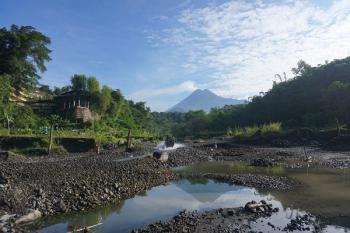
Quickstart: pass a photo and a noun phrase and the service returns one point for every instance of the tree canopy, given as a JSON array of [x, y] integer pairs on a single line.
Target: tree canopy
[[23, 53], [79, 82], [93, 85]]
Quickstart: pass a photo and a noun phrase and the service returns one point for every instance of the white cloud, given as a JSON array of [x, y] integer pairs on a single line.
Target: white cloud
[[146, 93], [241, 45]]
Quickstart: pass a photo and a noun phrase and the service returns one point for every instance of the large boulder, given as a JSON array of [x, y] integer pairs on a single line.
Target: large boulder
[[161, 155]]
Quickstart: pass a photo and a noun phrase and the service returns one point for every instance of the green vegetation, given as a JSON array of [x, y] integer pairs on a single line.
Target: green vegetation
[[316, 98], [225, 167], [23, 53], [249, 131]]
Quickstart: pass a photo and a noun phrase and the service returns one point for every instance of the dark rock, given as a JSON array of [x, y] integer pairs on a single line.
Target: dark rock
[[261, 163]]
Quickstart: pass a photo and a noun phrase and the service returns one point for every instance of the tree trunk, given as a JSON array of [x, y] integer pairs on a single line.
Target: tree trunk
[[338, 127], [50, 139], [8, 127], [8, 123], [128, 142]]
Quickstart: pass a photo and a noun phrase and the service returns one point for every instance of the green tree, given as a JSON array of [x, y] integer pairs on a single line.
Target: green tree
[[93, 85], [337, 99], [5, 106], [23, 117], [79, 82], [302, 68], [58, 91], [23, 53], [11, 114], [106, 97]]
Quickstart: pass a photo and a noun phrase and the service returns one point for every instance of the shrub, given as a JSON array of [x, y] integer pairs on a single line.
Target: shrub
[[229, 132], [275, 127], [32, 151], [58, 150]]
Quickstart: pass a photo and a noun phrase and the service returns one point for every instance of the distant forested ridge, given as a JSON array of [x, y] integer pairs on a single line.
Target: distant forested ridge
[[315, 97]]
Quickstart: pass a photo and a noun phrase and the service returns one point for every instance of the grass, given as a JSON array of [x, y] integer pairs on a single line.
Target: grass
[[249, 131], [225, 167], [37, 150], [102, 136]]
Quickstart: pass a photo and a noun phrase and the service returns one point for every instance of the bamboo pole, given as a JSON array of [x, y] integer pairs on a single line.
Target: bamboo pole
[[50, 139], [128, 142]]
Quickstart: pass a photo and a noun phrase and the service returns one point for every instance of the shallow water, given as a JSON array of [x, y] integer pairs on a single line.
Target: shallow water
[[326, 192], [162, 147]]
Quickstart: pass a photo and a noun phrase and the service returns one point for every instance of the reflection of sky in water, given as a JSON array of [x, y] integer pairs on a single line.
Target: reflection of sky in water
[[164, 202]]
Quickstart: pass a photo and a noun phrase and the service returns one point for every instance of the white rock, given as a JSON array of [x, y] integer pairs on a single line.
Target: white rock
[[35, 214], [6, 217]]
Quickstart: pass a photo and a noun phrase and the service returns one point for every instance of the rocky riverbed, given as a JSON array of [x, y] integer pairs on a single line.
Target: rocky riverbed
[[74, 185], [229, 220], [39, 187]]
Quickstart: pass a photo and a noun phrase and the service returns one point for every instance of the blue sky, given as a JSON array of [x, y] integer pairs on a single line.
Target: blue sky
[[161, 50]]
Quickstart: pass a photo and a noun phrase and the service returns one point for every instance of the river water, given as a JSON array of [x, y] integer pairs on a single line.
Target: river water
[[324, 192]]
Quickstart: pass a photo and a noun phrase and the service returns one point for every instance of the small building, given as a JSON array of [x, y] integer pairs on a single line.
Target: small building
[[75, 105], [42, 107], [72, 105]]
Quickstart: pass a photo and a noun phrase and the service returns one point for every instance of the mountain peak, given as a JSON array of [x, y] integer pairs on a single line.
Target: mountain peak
[[203, 100], [201, 91]]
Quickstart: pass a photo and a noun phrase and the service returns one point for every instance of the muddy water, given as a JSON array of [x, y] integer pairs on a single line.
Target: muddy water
[[325, 192]]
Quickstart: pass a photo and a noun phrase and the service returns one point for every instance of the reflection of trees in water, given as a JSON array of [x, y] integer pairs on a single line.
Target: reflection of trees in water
[[231, 168], [81, 219], [194, 181], [92, 217], [143, 193], [84, 219]]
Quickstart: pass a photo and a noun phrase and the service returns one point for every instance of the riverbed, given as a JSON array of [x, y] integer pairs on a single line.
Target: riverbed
[[324, 193]]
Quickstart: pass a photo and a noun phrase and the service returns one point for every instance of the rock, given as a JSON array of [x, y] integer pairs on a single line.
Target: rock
[[261, 163], [6, 217], [161, 155], [230, 212], [31, 216], [4, 155], [261, 207], [62, 206], [3, 179]]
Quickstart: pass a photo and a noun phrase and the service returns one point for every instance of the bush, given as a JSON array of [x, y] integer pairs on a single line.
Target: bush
[[32, 151], [229, 132], [58, 150], [250, 131], [275, 127]]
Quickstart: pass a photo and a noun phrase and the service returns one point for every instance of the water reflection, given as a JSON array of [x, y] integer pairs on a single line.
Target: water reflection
[[164, 202], [324, 191], [160, 203], [229, 167]]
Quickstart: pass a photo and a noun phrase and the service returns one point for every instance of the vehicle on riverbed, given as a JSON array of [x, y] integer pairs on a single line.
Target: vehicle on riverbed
[[169, 141]]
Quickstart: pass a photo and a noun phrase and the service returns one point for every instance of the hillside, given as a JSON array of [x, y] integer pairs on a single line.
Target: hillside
[[203, 100], [316, 97]]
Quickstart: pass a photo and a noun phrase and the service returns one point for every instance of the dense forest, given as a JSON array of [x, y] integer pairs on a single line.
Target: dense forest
[[316, 97]]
